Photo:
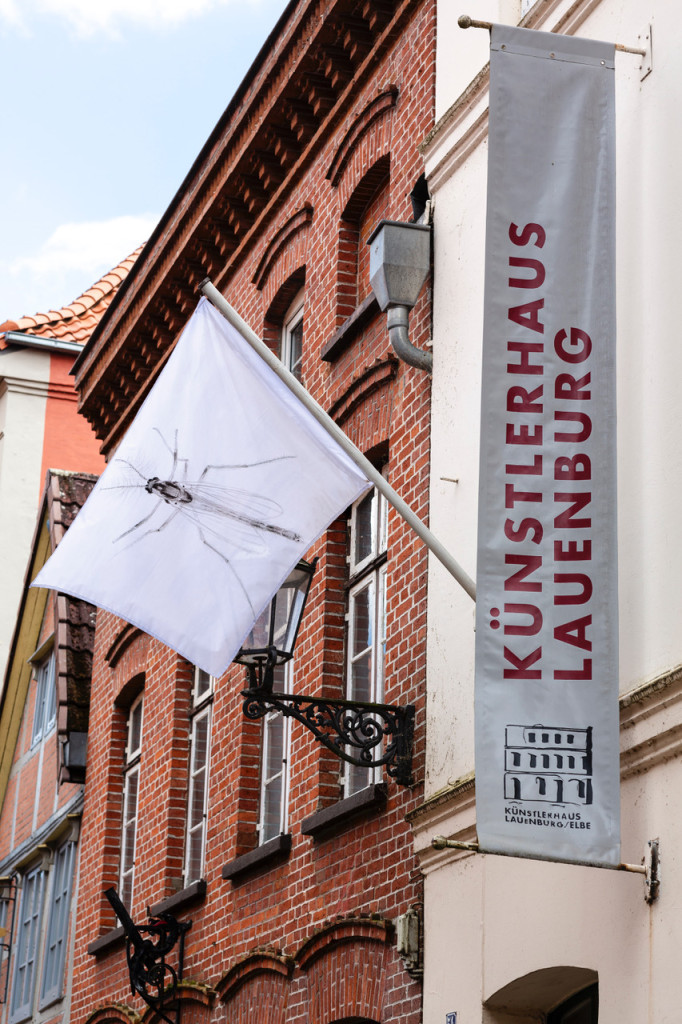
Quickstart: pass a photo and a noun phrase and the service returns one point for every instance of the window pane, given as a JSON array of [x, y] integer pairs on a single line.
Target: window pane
[[197, 797], [202, 684], [363, 546], [58, 925], [274, 769], [27, 945], [362, 612], [134, 729], [296, 349]]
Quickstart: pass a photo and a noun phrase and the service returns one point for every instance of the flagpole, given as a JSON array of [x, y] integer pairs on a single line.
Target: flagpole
[[373, 474]]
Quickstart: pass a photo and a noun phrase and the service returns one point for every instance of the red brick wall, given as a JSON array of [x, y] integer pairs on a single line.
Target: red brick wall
[[292, 940]]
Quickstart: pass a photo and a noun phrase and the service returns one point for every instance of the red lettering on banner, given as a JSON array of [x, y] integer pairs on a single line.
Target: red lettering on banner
[[568, 551], [573, 416], [523, 434], [518, 581], [566, 386], [531, 628], [564, 520], [572, 467], [580, 345], [523, 236], [527, 282], [528, 315], [527, 529], [522, 669], [525, 350], [515, 469], [583, 582], [511, 496], [522, 400], [576, 674]]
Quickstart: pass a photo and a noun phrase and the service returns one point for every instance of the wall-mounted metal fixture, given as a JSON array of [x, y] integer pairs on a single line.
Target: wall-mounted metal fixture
[[8, 905], [364, 734], [408, 941], [150, 976], [399, 262]]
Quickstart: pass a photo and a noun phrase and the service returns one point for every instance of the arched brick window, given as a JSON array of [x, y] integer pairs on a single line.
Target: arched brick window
[[368, 205]]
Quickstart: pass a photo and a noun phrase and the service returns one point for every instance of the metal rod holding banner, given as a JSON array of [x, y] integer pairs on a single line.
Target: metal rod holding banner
[[401, 507], [464, 21]]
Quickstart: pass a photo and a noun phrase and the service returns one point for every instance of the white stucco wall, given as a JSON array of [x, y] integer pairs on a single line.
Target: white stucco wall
[[24, 378], [489, 920]]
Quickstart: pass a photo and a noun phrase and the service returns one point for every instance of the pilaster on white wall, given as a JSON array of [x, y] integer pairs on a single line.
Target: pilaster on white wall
[[24, 379]]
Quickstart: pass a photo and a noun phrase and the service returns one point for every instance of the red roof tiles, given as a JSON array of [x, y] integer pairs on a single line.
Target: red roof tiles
[[76, 321]]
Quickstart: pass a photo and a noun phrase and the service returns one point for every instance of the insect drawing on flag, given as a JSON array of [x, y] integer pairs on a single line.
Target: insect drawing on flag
[[227, 518]]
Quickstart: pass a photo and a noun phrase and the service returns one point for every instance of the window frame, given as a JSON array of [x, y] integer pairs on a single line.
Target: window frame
[[283, 680], [27, 944], [57, 930], [45, 710], [291, 322], [368, 572], [202, 704], [131, 772]]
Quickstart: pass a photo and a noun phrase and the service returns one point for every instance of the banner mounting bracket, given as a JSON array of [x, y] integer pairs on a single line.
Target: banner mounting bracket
[[464, 21], [650, 866]]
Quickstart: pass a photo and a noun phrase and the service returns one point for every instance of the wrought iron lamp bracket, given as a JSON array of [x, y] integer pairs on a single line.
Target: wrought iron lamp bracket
[[362, 733], [150, 975]]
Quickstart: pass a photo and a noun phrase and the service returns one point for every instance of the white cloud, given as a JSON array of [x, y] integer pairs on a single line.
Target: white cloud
[[87, 17], [74, 257]]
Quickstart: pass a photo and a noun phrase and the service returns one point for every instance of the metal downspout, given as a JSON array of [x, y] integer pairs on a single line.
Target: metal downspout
[[402, 346]]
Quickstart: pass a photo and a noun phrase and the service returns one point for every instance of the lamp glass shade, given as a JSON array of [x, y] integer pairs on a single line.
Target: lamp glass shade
[[277, 626]]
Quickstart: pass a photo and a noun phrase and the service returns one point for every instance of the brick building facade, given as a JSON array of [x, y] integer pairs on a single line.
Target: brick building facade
[[292, 867]]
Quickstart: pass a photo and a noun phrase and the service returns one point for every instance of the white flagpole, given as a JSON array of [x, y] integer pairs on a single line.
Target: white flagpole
[[401, 507]]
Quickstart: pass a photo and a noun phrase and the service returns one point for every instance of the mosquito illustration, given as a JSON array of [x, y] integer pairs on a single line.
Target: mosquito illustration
[[220, 514]]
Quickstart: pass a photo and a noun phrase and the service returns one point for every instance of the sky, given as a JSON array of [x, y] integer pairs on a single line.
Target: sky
[[105, 105]]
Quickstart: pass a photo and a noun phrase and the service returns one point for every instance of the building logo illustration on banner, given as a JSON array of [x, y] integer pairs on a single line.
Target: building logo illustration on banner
[[547, 765]]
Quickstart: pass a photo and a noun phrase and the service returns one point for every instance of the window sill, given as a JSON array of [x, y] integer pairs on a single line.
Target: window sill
[[363, 313], [274, 850], [331, 820], [191, 893], [106, 942]]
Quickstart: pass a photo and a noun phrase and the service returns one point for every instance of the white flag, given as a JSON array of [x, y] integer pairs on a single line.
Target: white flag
[[221, 484], [547, 742]]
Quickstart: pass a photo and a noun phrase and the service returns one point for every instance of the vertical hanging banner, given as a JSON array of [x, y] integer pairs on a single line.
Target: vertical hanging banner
[[547, 740]]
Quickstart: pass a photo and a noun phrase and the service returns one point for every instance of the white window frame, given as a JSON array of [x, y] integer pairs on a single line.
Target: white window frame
[[292, 320], [131, 793], [202, 697], [278, 779], [368, 573], [54, 959], [27, 944], [45, 711]]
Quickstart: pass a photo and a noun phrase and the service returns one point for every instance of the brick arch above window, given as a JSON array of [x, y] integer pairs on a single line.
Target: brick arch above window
[[367, 204], [344, 966], [114, 1013], [287, 238], [260, 979], [369, 132], [279, 304]]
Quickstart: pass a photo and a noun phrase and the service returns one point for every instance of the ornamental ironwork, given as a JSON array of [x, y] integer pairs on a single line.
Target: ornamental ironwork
[[154, 979], [362, 733]]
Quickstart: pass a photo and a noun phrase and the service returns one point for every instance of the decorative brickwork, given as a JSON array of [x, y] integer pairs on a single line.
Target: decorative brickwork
[[302, 932]]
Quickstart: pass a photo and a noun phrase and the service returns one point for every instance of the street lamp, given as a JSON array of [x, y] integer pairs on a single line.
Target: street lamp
[[361, 732]]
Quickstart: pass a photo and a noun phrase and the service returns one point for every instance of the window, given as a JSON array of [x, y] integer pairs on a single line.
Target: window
[[199, 756], [45, 712], [28, 934], [291, 347], [366, 645], [58, 925], [131, 783], [274, 769]]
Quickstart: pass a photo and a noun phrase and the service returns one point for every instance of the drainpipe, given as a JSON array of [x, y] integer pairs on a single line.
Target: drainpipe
[[399, 262]]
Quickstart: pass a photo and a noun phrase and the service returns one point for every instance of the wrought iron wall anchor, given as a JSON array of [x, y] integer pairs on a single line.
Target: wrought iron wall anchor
[[362, 733], [150, 976]]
